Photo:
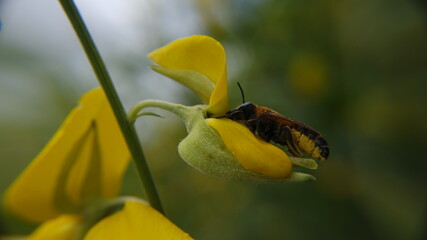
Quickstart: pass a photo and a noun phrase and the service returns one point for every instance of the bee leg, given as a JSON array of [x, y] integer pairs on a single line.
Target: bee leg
[[264, 128], [290, 142], [264, 132], [251, 124]]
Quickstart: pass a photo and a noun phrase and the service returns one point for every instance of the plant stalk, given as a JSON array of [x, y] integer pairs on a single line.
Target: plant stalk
[[106, 83]]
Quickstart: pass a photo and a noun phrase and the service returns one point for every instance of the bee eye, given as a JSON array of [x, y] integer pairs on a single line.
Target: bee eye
[[246, 106], [233, 114]]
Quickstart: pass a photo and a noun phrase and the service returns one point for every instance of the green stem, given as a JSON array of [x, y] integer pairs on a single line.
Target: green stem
[[178, 109], [105, 81]]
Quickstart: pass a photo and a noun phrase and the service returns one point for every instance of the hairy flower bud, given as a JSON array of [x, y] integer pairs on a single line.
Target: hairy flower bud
[[226, 149]]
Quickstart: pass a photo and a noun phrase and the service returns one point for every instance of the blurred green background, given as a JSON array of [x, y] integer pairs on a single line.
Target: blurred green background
[[354, 70]]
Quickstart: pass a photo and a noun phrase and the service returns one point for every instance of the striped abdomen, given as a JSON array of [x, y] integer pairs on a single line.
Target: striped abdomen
[[311, 143]]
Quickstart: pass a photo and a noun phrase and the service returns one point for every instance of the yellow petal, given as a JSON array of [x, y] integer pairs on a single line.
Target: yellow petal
[[87, 156], [64, 227], [254, 154], [136, 221], [200, 54], [114, 151], [218, 104], [196, 82]]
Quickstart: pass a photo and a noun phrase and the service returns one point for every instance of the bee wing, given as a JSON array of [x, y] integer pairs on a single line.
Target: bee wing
[[291, 144], [275, 116], [285, 135], [299, 126]]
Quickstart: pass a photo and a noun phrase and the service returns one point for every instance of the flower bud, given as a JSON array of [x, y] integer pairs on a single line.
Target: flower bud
[[226, 149]]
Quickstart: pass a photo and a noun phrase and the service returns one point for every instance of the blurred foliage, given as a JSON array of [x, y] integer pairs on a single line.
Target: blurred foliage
[[354, 70]]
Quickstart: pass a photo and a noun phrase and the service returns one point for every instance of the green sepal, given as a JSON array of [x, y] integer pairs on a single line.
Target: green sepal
[[304, 162]]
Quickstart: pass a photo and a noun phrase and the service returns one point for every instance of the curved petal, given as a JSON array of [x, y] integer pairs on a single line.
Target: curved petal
[[85, 158], [65, 227], [218, 103], [196, 82], [254, 154], [201, 54], [136, 221]]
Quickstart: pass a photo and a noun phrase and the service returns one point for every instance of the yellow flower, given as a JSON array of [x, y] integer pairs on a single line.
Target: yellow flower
[[84, 161], [136, 221], [199, 63], [217, 146], [68, 183], [64, 227]]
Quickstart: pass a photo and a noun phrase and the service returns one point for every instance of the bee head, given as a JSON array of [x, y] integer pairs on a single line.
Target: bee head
[[243, 112]]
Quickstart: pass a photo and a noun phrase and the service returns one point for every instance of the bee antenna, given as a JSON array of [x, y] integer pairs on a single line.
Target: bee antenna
[[241, 91]]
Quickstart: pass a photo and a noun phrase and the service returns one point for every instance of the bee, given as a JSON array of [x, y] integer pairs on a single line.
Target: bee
[[270, 125]]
